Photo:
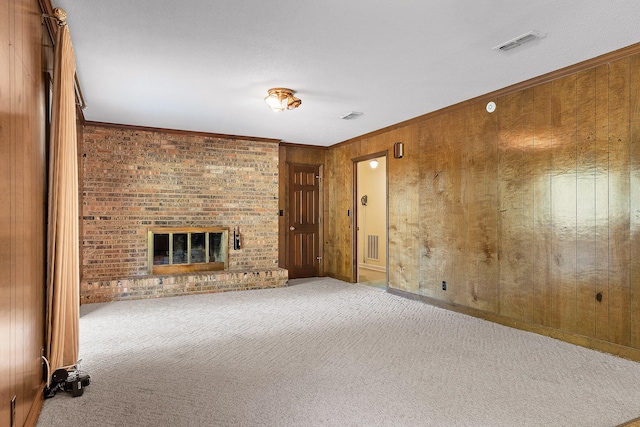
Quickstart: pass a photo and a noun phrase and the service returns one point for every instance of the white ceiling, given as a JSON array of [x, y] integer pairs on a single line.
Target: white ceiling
[[206, 65]]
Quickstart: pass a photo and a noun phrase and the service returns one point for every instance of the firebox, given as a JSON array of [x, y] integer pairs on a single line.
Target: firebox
[[180, 250]]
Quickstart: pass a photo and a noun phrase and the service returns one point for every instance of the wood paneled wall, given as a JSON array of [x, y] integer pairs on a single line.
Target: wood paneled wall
[[531, 214], [25, 52], [301, 155]]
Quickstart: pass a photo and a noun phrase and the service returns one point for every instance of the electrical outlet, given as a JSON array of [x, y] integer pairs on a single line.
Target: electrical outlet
[[444, 285]]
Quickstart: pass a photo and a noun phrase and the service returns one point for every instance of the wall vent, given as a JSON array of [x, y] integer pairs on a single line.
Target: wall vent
[[518, 41], [372, 246], [351, 116]]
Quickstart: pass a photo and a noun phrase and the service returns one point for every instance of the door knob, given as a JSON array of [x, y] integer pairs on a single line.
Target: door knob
[[292, 228]]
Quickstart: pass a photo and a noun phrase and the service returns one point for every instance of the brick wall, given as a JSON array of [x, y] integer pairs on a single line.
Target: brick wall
[[134, 179]]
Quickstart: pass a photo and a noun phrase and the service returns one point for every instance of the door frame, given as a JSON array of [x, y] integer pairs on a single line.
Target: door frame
[[355, 206]]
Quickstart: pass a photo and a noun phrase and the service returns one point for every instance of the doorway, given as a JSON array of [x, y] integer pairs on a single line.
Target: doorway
[[371, 216]]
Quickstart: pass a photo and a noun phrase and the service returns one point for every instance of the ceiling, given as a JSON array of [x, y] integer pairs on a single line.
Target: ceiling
[[206, 65]]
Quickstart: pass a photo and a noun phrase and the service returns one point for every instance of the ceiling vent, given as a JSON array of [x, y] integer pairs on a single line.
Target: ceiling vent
[[351, 116], [513, 43]]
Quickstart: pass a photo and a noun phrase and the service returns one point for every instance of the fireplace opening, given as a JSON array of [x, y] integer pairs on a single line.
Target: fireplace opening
[[179, 250]]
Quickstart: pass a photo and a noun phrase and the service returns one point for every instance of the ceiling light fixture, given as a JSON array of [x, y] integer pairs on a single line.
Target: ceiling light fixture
[[373, 163], [280, 99]]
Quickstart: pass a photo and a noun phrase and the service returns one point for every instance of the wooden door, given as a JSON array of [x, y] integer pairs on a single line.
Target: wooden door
[[304, 229]]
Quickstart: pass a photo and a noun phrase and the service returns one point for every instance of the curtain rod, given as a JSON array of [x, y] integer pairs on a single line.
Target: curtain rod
[[60, 16]]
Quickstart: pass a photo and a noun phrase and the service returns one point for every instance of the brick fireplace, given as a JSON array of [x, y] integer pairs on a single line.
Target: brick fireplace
[[134, 180]]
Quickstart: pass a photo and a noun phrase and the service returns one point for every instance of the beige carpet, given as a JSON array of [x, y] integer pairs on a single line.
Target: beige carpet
[[327, 353]]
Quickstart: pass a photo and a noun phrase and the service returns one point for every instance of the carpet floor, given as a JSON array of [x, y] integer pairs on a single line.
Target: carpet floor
[[327, 353]]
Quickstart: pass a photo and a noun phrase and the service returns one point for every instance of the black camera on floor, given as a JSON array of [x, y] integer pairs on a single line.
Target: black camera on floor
[[76, 382], [67, 380]]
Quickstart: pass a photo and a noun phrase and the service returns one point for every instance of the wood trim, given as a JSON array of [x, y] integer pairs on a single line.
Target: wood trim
[[354, 220], [36, 408], [580, 340], [535, 81], [355, 207], [292, 145], [179, 132], [188, 229], [187, 268], [366, 157], [633, 423], [321, 220]]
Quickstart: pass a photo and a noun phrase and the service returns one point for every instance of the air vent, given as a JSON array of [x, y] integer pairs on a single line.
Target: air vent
[[518, 41], [351, 116]]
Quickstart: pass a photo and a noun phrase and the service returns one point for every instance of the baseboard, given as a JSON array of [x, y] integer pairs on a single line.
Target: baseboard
[[581, 340], [36, 407]]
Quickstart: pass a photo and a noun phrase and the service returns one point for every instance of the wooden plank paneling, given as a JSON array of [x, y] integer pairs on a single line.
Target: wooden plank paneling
[[563, 204], [548, 187], [339, 216], [23, 197], [482, 263], [528, 170], [430, 221], [586, 206], [6, 303], [331, 211], [492, 290], [634, 199], [513, 182], [541, 158], [34, 313], [404, 213], [456, 206], [619, 191], [602, 203], [438, 212], [15, 193], [381, 143]]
